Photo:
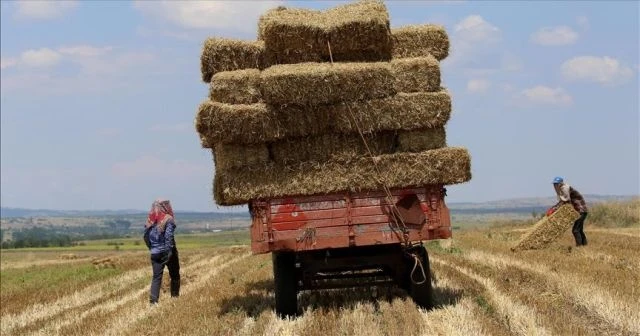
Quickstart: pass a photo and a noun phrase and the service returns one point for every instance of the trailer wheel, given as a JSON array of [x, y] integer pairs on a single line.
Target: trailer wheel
[[422, 294], [285, 283]]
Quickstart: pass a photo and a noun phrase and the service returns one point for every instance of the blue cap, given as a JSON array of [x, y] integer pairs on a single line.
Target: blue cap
[[558, 179]]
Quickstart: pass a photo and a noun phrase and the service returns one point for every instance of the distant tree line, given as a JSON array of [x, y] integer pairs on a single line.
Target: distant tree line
[[61, 236], [36, 237]]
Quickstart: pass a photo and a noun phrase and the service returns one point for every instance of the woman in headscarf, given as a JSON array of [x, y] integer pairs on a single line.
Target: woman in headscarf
[[159, 237]]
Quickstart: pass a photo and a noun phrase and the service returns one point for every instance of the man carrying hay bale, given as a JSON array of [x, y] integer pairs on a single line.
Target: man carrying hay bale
[[567, 194]]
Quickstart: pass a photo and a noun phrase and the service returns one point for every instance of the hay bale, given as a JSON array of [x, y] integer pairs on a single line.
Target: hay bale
[[419, 41], [106, 262], [68, 256], [548, 229], [355, 32], [400, 112], [401, 170], [227, 156], [241, 124], [418, 74], [313, 84], [236, 87], [256, 123], [422, 139], [336, 147], [221, 54]]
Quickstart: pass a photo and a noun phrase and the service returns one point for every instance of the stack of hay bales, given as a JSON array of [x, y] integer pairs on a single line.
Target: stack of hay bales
[[327, 101], [548, 229]]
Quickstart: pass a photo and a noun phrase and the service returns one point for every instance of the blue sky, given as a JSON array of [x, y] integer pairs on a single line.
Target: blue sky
[[98, 98]]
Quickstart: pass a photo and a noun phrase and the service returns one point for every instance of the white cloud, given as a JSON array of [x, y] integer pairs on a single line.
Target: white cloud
[[98, 68], [555, 36], [36, 9], [117, 64], [84, 50], [583, 22], [43, 57], [604, 70], [477, 50], [478, 85], [545, 95], [173, 128], [46, 57], [8, 62], [233, 15], [474, 28]]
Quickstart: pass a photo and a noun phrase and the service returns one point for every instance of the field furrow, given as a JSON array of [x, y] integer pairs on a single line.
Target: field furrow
[[39, 315], [102, 309], [517, 317], [623, 314], [111, 321], [455, 313]]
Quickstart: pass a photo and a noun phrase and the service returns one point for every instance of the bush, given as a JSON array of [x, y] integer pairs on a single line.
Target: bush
[[615, 214]]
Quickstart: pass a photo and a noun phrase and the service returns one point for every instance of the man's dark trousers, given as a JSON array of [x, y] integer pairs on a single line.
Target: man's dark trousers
[[578, 230]]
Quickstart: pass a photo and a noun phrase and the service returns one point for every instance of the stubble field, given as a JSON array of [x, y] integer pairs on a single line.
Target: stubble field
[[482, 288]]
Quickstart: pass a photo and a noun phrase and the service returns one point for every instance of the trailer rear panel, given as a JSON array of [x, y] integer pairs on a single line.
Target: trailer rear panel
[[349, 220]]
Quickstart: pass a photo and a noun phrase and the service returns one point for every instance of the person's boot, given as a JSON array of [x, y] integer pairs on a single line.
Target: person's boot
[[584, 239]]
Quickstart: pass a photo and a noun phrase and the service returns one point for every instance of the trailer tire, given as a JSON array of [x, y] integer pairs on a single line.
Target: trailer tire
[[284, 275], [422, 294]]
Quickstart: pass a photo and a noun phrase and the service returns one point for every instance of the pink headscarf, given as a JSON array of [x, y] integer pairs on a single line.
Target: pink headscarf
[[161, 212]]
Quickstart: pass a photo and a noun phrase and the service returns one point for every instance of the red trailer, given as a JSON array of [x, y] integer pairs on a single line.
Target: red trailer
[[349, 240]]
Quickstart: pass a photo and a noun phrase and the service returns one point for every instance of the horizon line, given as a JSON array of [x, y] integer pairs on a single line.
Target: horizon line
[[230, 209]]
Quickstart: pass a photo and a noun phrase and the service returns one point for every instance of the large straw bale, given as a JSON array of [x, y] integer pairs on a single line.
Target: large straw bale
[[220, 54], [404, 111], [422, 139], [548, 229], [420, 40], [331, 146], [255, 123], [325, 83], [449, 165], [416, 74], [236, 87], [227, 123], [228, 156], [353, 32]]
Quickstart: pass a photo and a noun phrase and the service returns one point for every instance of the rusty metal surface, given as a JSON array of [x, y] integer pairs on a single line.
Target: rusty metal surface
[[344, 220]]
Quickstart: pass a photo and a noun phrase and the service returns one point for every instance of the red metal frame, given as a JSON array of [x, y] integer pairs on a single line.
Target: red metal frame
[[344, 220]]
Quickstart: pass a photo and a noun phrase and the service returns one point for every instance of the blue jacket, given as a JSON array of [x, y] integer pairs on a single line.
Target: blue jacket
[[160, 242]]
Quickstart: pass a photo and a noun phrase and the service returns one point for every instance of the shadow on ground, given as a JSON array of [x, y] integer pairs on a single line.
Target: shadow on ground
[[258, 297]]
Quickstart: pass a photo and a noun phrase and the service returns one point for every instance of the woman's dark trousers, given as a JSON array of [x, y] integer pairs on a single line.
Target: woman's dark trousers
[[173, 265]]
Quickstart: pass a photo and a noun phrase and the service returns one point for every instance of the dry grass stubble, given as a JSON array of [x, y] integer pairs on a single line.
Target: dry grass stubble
[[621, 313]]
